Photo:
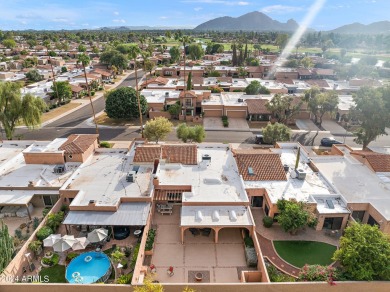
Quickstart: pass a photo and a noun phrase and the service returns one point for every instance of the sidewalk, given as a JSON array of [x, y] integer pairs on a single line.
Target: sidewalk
[[85, 101]]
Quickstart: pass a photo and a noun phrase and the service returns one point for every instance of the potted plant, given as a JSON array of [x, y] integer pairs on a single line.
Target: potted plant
[[48, 254], [150, 242], [36, 247]]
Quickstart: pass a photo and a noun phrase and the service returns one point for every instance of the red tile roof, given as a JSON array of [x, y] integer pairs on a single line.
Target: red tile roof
[[78, 144], [257, 106], [379, 162], [180, 153], [76, 88], [266, 166]]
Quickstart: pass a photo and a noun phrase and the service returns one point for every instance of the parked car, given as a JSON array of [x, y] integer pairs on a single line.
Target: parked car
[[259, 139], [329, 141]]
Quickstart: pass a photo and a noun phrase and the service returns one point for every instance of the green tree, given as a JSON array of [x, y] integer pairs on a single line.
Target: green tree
[[364, 253], [190, 134], [292, 215], [81, 48], [9, 43], [283, 108], [255, 88], [273, 133], [196, 51], [14, 108], [281, 40], [6, 246], [327, 103], [175, 110], [292, 63], [117, 256], [54, 220], [175, 54], [149, 286], [307, 63], [63, 90], [372, 111], [122, 103], [64, 69], [34, 76], [157, 129], [189, 81], [36, 247], [326, 45]]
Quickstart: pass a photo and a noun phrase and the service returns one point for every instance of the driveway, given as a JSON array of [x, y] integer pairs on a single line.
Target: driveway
[[236, 124], [306, 125], [333, 127]]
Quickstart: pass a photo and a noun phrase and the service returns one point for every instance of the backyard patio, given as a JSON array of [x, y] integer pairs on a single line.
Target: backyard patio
[[218, 263]]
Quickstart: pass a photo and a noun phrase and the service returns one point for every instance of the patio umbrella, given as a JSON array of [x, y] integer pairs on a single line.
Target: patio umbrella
[[65, 243], [81, 243], [51, 239], [97, 235]]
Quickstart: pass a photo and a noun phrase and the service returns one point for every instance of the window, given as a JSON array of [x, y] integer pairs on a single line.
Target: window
[[188, 102], [371, 221], [333, 223], [358, 215]]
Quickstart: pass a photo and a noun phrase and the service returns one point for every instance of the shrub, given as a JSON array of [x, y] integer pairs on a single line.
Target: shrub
[[127, 251], [18, 233], [45, 212], [54, 220], [70, 256], [124, 263], [64, 208], [125, 279], [248, 241], [105, 144], [135, 256], [312, 222], [277, 276], [251, 256], [51, 261], [317, 273], [44, 232], [268, 221], [35, 223], [150, 239], [92, 93]]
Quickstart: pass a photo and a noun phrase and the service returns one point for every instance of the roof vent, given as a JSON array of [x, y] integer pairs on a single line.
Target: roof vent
[[206, 157], [286, 167], [130, 177], [250, 171], [301, 174], [233, 216], [198, 216], [91, 201], [215, 216], [166, 93], [59, 168]]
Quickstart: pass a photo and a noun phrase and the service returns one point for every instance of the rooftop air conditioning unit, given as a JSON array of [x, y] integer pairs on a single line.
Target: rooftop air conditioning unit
[[130, 177], [59, 168], [206, 157], [240, 100], [286, 167], [301, 174]]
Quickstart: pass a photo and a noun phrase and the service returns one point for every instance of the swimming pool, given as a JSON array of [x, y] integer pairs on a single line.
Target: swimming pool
[[89, 267]]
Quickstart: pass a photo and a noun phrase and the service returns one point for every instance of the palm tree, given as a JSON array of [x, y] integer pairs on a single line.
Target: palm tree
[[185, 40], [48, 46], [134, 51], [84, 60]]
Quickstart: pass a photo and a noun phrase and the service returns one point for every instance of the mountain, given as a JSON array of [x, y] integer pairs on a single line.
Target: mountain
[[144, 27], [253, 21], [358, 28]]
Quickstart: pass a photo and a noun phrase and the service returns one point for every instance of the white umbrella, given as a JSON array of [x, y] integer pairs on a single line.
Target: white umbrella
[[81, 243], [51, 239], [65, 243], [97, 235]]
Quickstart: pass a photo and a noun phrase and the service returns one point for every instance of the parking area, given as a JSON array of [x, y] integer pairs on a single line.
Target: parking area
[[215, 123], [333, 127]]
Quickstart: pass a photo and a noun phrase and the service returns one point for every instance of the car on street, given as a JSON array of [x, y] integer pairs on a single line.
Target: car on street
[[329, 141]]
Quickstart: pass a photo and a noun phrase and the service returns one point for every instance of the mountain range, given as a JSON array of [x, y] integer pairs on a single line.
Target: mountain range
[[258, 21], [253, 21]]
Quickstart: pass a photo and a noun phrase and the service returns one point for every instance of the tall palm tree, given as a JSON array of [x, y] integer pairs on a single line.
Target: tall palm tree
[[47, 45], [84, 60], [134, 51], [185, 40]]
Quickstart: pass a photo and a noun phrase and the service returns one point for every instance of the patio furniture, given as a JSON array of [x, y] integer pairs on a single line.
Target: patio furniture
[[165, 209], [97, 235], [65, 243], [81, 243], [152, 268], [199, 277], [170, 271], [195, 231], [205, 231], [137, 233], [51, 240]]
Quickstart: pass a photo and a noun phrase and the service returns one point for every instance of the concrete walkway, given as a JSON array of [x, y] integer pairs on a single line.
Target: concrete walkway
[[334, 128]]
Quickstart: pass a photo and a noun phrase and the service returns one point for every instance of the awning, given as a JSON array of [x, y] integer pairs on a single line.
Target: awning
[[128, 214]]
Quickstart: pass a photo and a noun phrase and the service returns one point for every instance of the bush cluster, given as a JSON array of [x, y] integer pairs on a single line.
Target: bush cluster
[[268, 221], [150, 239], [225, 121]]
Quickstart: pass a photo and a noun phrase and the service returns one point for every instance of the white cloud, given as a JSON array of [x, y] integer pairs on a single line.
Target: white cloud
[[280, 9], [230, 3], [163, 17], [116, 13], [198, 8], [60, 20], [119, 20]]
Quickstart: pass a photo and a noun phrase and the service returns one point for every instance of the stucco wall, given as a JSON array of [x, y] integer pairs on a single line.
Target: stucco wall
[[44, 158]]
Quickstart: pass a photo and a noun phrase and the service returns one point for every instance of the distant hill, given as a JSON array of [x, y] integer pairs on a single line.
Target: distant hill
[[358, 28], [143, 28], [253, 21]]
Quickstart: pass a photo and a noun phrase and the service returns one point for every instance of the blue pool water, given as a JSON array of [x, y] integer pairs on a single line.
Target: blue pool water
[[88, 268]]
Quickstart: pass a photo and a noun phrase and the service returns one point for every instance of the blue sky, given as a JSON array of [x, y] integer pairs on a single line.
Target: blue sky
[[75, 14]]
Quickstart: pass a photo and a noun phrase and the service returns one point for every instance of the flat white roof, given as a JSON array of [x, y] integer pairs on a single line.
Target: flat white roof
[[102, 178], [40, 147], [293, 188], [355, 181], [216, 181], [331, 204], [345, 102], [9, 149], [21, 197], [215, 216], [159, 96]]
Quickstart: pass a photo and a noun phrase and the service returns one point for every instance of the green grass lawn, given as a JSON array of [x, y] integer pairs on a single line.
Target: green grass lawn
[[299, 253], [55, 274]]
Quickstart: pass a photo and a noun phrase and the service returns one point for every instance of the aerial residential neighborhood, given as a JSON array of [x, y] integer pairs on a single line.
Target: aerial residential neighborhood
[[173, 150]]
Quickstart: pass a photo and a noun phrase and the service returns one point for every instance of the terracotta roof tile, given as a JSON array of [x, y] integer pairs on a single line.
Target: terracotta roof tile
[[76, 88], [77, 144], [379, 162], [185, 153], [318, 82], [266, 166], [257, 106], [147, 153]]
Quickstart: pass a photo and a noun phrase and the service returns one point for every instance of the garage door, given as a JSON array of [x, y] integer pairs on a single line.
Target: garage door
[[212, 113], [236, 114]]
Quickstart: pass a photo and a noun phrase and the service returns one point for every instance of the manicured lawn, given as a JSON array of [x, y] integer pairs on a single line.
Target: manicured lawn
[[55, 274], [299, 253]]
